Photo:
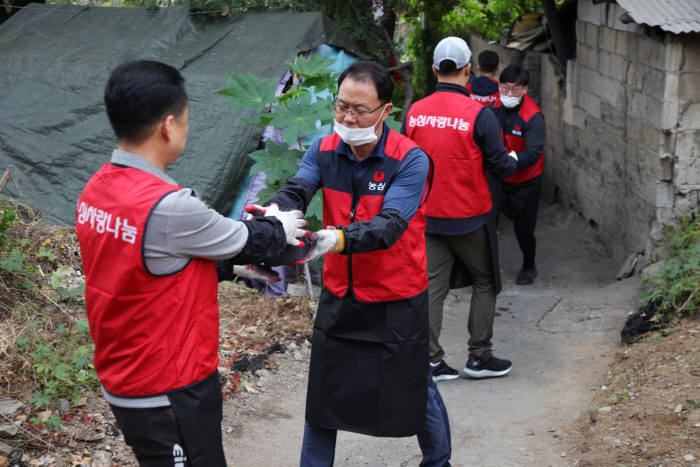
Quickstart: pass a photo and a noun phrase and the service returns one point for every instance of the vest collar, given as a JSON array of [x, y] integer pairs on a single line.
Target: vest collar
[[449, 87], [135, 161]]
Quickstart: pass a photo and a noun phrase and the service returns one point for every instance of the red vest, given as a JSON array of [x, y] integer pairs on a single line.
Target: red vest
[[382, 275], [516, 142], [152, 333], [443, 125]]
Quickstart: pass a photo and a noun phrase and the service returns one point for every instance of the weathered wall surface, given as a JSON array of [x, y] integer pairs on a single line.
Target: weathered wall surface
[[681, 151], [623, 127], [629, 158]]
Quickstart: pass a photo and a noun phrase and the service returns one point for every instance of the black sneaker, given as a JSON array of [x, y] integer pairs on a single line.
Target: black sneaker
[[443, 372], [488, 369], [526, 276]]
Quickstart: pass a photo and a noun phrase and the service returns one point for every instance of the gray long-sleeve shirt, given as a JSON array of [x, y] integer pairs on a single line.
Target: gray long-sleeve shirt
[[182, 226]]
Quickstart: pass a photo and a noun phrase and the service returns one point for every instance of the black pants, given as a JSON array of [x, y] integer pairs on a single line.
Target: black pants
[[188, 433], [520, 202]]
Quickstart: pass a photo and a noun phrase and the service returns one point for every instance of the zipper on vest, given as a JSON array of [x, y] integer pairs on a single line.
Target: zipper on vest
[[353, 210]]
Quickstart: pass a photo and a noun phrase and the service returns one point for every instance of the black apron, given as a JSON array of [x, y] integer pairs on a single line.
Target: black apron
[[368, 367], [459, 276]]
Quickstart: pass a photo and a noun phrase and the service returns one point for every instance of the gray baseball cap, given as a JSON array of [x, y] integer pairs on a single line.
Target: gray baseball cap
[[452, 48]]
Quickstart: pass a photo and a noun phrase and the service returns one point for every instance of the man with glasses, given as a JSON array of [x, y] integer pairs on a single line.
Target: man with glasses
[[369, 369], [463, 139], [519, 195]]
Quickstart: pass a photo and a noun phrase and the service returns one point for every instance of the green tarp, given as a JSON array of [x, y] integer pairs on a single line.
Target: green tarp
[[55, 61]]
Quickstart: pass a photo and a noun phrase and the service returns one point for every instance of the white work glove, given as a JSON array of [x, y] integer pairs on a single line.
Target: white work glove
[[292, 221], [330, 240], [255, 271], [514, 155]]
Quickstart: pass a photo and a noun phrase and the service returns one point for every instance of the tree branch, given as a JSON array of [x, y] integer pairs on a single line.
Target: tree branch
[[400, 66]]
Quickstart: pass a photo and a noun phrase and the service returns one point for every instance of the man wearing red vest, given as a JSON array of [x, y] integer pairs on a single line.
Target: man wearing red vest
[[524, 132], [463, 139], [484, 89], [369, 369], [148, 248]]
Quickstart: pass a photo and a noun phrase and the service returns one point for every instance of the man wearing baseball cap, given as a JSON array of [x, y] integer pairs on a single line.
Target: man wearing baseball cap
[[463, 139]]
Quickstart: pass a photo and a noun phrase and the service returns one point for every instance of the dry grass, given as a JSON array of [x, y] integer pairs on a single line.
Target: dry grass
[[31, 309]]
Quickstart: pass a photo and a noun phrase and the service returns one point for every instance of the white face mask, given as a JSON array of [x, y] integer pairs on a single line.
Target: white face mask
[[510, 101], [357, 136]]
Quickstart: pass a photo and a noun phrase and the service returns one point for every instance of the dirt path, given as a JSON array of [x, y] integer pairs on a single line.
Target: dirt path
[[560, 334]]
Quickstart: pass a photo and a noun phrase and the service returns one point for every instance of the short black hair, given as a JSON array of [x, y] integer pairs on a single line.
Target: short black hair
[[138, 94], [369, 71], [515, 74], [449, 67], [488, 61]]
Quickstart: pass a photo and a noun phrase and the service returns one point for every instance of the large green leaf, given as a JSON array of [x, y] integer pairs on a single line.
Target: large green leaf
[[260, 120], [300, 116], [314, 212], [329, 82], [278, 162], [394, 121], [249, 91], [314, 66]]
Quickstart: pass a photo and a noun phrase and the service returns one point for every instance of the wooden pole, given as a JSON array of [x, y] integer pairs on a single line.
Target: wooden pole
[[4, 179], [550, 10]]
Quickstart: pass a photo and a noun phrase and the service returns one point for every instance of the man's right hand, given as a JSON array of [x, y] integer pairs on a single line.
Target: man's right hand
[[329, 240], [292, 221]]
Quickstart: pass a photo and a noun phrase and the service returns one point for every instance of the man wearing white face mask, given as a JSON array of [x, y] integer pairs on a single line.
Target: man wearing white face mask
[[369, 369], [523, 130]]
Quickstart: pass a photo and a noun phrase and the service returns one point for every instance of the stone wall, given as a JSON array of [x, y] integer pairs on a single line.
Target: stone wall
[[681, 150], [628, 163], [623, 126]]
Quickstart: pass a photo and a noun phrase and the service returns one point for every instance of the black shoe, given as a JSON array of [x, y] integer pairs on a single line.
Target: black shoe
[[443, 372], [488, 369], [526, 276]]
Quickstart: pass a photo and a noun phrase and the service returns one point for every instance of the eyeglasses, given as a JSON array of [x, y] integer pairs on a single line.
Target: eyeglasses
[[510, 90], [359, 113]]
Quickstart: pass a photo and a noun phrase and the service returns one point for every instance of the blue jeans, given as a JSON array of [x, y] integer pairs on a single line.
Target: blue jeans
[[318, 447]]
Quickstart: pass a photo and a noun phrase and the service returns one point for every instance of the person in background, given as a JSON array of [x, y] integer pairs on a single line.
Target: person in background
[[369, 369], [484, 89], [524, 133], [463, 139], [148, 248]]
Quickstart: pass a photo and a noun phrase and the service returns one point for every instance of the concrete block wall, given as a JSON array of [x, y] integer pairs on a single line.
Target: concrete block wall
[[623, 126], [625, 152]]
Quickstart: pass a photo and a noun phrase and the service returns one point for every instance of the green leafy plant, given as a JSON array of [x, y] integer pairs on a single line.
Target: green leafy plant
[[7, 216], [617, 398], [297, 113], [677, 283], [63, 367], [52, 422], [490, 19]]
